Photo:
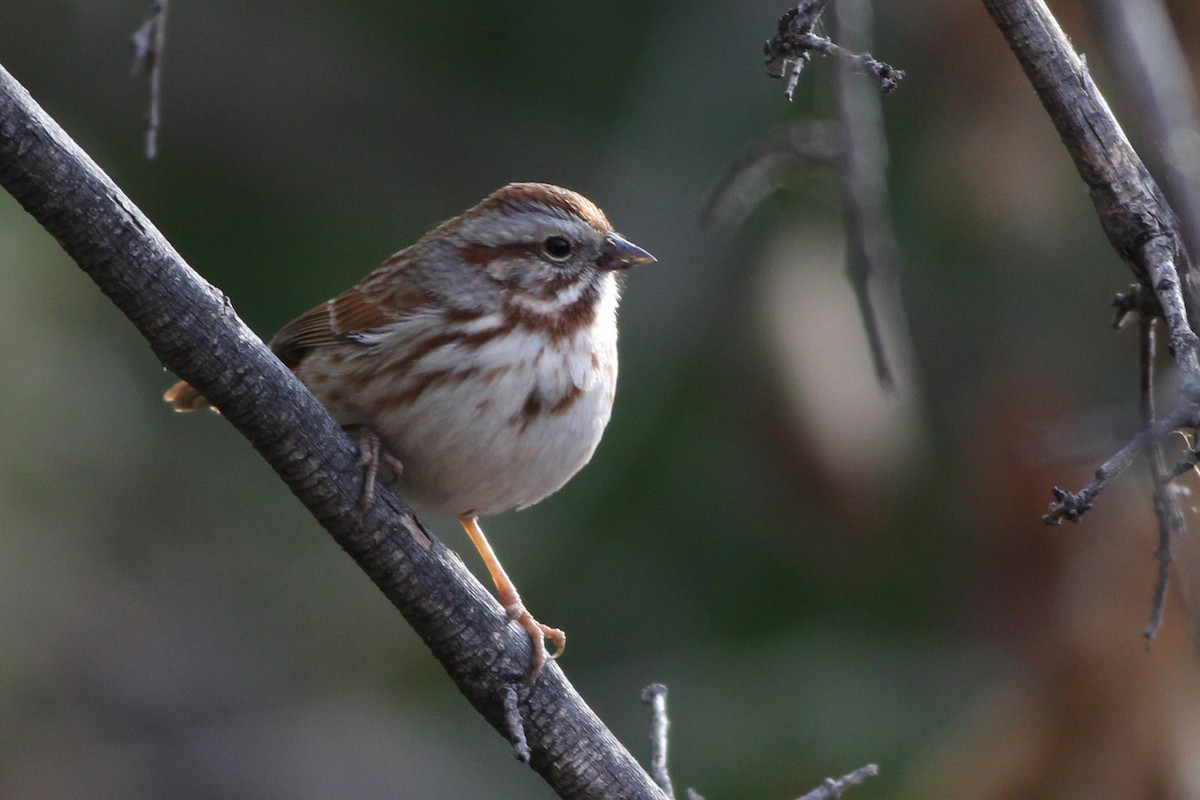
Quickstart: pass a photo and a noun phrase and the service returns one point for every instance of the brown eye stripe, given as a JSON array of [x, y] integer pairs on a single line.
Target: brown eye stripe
[[481, 254]]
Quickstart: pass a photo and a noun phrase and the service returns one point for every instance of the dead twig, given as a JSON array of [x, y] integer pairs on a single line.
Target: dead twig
[[833, 789], [515, 726], [655, 696], [1143, 229], [872, 252], [1072, 505], [1166, 508], [796, 40]]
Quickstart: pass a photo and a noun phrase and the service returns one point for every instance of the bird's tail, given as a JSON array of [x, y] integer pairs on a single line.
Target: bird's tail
[[185, 397]]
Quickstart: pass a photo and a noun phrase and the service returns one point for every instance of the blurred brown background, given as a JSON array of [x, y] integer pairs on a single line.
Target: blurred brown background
[[823, 574]]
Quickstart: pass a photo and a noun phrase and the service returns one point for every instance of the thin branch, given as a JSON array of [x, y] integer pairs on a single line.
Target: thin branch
[[1166, 509], [516, 728], [193, 330], [833, 789], [795, 41], [149, 46], [1072, 505], [872, 254], [1141, 227], [655, 696], [856, 146]]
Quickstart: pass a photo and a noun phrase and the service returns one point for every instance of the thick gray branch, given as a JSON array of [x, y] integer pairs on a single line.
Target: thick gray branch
[[192, 328]]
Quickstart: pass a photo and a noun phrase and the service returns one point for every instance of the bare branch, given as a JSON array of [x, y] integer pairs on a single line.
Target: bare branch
[[856, 146], [655, 696], [795, 42], [1072, 505], [1135, 216], [193, 330], [1166, 509], [1142, 228], [833, 789], [872, 254], [516, 729]]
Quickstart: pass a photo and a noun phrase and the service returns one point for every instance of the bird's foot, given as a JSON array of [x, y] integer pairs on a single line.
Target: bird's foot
[[538, 635], [371, 453]]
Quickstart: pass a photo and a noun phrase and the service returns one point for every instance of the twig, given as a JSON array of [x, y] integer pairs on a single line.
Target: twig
[[1072, 505], [1141, 227], [655, 696], [1166, 509], [857, 147], [833, 789], [149, 45], [794, 42], [516, 728], [872, 254]]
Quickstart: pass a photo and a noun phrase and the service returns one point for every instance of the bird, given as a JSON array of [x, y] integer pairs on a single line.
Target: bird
[[477, 367]]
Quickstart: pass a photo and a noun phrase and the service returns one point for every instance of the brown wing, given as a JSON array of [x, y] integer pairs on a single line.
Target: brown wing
[[336, 321]]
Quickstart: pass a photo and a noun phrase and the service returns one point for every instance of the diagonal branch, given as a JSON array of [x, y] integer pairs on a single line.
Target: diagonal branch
[[1135, 216], [1152, 72], [192, 328]]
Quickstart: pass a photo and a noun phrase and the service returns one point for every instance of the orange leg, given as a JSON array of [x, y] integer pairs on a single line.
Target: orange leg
[[538, 633]]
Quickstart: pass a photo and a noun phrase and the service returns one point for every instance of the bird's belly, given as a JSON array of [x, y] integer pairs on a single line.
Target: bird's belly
[[503, 439]]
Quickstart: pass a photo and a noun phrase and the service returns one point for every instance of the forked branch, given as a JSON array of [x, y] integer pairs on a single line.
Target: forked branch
[[796, 40], [1145, 232]]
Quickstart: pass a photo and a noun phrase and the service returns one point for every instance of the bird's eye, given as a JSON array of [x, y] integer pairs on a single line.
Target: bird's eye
[[557, 247]]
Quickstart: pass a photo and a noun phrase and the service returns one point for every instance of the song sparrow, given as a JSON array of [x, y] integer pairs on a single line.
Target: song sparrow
[[478, 365]]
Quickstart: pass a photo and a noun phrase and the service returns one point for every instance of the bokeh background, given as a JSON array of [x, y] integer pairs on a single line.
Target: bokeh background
[[824, 573]]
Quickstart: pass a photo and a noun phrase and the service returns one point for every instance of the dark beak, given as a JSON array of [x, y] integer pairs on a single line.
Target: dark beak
[[617, 253]]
